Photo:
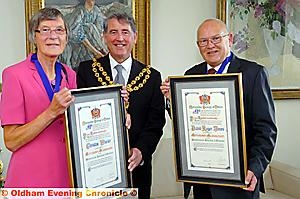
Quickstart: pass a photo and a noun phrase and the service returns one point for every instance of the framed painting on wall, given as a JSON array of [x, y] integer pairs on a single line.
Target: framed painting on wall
[[86, 27], [267, 32]]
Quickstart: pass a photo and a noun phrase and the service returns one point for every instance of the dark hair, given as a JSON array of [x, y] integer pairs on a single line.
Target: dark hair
[[42, 15], [120, 15]]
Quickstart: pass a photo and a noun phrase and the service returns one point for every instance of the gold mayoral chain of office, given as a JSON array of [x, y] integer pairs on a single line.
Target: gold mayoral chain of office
[[138, 82]]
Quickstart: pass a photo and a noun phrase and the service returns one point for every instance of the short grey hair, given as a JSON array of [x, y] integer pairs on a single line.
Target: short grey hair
[[42, 15], [120, 15]]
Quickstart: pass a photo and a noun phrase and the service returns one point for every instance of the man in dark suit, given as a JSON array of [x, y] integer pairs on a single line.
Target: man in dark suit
[[214, 43], [146, 102]]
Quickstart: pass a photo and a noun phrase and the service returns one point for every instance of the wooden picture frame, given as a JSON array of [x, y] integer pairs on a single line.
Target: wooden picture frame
[[97, 139], [209, 129], [140, 11], [280, 91]]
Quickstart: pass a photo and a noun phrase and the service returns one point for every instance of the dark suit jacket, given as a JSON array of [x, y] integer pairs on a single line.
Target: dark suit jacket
[[261, 131], [146, 108]]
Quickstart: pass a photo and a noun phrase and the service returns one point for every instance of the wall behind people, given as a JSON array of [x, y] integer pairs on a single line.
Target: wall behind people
[[173, 28], [173, 33], [173, 50], [12, 33]]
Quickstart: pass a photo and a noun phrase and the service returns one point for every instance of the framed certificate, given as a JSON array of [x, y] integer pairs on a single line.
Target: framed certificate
[[97, 139], [208, 128]]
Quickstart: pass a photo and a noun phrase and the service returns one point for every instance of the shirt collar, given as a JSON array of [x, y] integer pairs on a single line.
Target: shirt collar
[[218, 67], [126, 64]]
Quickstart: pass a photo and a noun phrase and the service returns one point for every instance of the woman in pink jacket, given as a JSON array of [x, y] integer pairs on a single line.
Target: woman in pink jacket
[[35, 95]]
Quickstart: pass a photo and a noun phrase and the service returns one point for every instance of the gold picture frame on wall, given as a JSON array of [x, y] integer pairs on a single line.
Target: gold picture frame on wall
[[282, 91], [140, 11]]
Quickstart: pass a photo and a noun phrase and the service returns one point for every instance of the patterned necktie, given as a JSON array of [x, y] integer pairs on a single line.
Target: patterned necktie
[[119, 79], [211, 71]]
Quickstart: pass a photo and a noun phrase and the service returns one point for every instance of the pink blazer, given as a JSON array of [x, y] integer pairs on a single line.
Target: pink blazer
[[43, 161]]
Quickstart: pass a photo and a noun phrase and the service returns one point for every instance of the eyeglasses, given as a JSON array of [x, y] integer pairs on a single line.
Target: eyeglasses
[[47, 31], [215, 40]]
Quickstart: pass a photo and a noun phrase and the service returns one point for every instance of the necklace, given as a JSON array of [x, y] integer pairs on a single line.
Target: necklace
[[137, 83], [49, 89]]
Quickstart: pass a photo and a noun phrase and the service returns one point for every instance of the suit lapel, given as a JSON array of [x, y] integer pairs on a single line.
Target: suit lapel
[[64, 82], [234, 66], [36, 75], [203, 68], [106, 65], [134, 71]]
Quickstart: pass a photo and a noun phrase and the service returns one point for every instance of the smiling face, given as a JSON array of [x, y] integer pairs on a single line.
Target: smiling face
[[214, 54], [51, 44], [120, 39]]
